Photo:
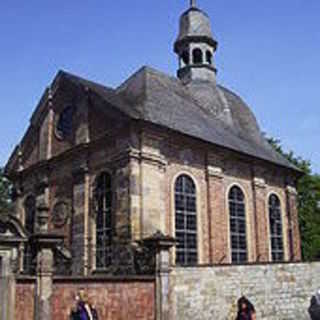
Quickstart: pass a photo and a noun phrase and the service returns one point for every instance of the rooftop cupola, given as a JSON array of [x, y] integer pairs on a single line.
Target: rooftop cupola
[[195, 46]]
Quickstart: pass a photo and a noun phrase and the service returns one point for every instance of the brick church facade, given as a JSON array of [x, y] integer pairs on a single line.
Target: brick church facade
[[163, 159]]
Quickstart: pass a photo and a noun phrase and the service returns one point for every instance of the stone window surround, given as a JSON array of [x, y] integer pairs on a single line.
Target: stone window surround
[[277, 235], [199, 218], [92, 215], [238, 203], [186, 231], [248, 220], [104, 190], [283, 209]]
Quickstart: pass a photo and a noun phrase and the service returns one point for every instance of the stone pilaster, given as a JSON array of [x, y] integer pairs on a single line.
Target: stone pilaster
[[293, 230], [18, 200], [122, 205], [218, 219], [80, 225], [50, 124], [261, 221], [152, 175], [135, 196]]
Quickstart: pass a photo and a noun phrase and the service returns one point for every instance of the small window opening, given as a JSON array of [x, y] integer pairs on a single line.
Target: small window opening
[[185, 57], [197, 56], [209, 57]]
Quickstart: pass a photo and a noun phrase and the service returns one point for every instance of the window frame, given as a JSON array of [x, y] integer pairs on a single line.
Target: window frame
[[277, 254], [241, 254], [103, 234], [189, 253], [197, 56], [62, 131]]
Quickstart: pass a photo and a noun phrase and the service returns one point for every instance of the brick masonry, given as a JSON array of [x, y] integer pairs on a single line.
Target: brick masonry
[[278, 291], [114, 300], [24, 301]]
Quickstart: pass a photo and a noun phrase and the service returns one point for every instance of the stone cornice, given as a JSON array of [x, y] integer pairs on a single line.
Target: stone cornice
[[151, 158]]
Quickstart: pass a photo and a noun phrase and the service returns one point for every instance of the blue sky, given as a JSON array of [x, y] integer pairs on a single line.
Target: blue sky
[[268, 53]]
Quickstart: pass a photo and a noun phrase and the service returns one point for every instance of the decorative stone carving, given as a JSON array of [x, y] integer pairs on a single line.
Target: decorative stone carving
[[42, 218], [216, 172], [60, 214], [292, 190], [259, 182]]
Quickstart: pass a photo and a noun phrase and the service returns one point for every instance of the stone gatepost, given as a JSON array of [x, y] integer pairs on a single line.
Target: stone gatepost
[[45, 244], [162, 245]]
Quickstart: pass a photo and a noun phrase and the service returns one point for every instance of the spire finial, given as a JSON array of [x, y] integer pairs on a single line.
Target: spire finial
[[193, 3]]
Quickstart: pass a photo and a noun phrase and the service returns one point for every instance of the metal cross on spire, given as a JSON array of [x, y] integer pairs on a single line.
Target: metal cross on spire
[[193, 3]]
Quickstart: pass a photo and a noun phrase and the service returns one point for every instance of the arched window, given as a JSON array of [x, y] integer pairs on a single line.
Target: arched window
[[238, 232], [275, 221], [197, 56], [186, 221], [185, 57], [65, 122], [209, 57], [29, 263], [103, 198]]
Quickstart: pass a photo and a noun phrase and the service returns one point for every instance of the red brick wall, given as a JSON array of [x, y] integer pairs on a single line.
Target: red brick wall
[[120, 300], [24, 304]]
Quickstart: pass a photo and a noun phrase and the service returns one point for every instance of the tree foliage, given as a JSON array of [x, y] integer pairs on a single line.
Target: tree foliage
[[5, 191], [308, 203]]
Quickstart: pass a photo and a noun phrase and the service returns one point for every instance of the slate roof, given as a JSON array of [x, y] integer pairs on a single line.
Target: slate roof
[[195, 24], [219, 116]]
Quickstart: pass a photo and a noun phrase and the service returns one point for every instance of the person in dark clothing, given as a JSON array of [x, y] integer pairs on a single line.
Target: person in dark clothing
[[314, 309], [246, 310], [83, 310]]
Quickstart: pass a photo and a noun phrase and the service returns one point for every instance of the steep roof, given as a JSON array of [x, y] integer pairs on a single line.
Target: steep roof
[[202, 110]]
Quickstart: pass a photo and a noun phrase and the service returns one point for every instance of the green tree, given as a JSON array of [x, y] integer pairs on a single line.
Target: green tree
[[5, 191], [308, 203]]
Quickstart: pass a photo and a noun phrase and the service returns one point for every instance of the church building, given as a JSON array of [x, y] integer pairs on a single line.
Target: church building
[[104, 173]]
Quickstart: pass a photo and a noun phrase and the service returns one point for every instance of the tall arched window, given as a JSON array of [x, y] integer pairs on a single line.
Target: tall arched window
[[238, 234], [186, 221], [103, 198], [197, 56], [276, 236], [29, 219]]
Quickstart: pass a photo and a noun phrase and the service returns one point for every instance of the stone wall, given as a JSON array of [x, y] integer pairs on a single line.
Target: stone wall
[[122, 299], [278, 291]]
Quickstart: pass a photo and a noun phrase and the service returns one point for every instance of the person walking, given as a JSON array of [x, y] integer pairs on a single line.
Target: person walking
[[246, 310]]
